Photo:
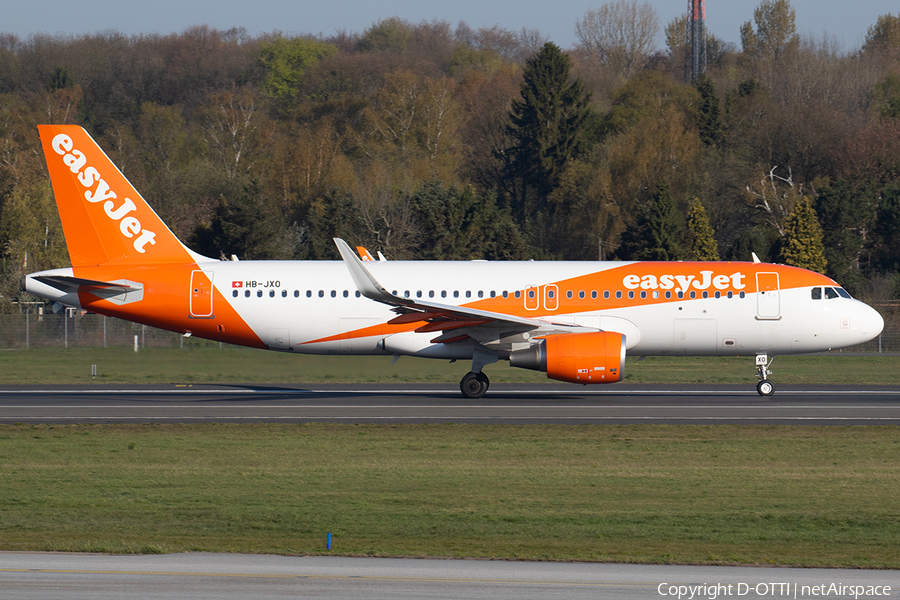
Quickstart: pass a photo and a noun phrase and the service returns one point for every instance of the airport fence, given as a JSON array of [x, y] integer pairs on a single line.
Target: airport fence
[[76, 328]]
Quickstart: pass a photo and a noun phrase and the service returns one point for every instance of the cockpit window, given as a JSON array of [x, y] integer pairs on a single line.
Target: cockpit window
[[830, 293], [843, 293], [817, 293]]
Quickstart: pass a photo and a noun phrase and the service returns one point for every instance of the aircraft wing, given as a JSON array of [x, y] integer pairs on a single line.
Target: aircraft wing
[[456, 322]]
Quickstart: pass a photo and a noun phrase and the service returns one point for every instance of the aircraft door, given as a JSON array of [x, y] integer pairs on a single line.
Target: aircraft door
[[201, 294], [768, 301]]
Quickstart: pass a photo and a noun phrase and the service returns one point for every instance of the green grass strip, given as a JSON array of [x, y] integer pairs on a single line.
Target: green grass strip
[[648, 494], [207, 363]]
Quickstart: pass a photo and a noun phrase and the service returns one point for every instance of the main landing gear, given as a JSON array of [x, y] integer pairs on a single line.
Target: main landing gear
[[764, 387], [474, 385]]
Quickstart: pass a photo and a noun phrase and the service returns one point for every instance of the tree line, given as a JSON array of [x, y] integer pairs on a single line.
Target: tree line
[[427, 141]]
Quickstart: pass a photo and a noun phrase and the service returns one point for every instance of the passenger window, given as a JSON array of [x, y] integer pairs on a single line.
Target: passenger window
[[468, 293], [569, 294], [643, 294], [594, 295], [333, 294], [234, 293], [743, 294], [443, 293], [551, 294], [259, 294], [581, 294], [346, 294], [358, 294], [730, 294], [481, 293], [531, 294], [606, 295], [505, 294], [271, 293], [706, 294], [493, 294], [284, 293], [418, 293], [431, 293], [247, 294], [518, 294], [618, 294], [668, 295], [816, 293], [456, 293], [296, 293], [321, 293], [631, 295]]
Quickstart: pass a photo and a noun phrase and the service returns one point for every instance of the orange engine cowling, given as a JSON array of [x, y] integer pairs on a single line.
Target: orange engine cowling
[[576, 357]]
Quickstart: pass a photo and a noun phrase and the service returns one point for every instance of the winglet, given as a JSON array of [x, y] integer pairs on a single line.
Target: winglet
[[367, 284]]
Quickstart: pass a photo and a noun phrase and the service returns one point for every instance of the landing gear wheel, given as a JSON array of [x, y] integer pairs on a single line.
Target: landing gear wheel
[[474, 385], [765, 388]]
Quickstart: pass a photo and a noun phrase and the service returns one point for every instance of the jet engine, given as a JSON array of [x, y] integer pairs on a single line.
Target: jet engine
[[576, 357]]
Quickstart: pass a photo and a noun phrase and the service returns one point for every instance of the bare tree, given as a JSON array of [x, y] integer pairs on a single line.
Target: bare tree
[[776, 197], [619, 34]]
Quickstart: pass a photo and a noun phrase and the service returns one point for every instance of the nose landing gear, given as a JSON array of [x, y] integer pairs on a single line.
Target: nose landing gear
[[764, 387]]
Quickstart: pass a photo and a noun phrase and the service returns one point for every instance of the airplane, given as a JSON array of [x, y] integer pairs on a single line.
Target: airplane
[[575, 321]]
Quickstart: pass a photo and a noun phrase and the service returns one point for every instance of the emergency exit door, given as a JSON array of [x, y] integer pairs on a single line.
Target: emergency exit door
[[201, 294], [768, 301]]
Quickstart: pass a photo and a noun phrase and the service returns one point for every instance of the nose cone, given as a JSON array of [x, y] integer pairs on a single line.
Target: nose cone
[[868, 323], [874, 323]]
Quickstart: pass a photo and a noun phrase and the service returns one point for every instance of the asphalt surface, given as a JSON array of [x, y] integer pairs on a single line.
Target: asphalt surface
[[38, 576], [568, 404]]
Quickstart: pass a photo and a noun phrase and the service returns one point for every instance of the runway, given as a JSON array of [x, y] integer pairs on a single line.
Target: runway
[[438, 403], [36, 576]]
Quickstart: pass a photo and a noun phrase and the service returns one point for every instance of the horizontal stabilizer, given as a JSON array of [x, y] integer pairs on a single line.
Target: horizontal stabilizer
[[71, 285]]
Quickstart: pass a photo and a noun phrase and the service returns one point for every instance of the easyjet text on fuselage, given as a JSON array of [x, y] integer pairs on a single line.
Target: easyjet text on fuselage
[[682, 283]]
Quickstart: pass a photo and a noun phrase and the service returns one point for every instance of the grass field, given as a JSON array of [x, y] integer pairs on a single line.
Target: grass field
[[209, 364], [651, 494]]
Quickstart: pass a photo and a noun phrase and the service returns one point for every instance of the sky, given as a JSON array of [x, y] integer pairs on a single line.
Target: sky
[[845, 22]]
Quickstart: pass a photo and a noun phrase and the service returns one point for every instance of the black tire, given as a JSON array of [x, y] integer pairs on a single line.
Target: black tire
[[765, 388], [473, 385]]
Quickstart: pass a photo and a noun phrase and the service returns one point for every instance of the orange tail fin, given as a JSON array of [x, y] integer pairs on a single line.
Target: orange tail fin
[[104, 218]]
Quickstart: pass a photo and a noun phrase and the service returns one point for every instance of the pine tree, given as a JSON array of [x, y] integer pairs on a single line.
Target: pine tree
[[710, 119], [549, 124], [656, 234], [802, 246], [703, 244]]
